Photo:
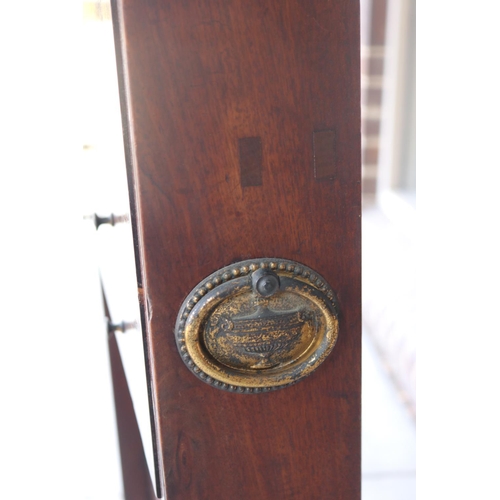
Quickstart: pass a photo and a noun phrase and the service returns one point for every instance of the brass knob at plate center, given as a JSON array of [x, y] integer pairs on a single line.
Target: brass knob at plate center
[[265, 282]]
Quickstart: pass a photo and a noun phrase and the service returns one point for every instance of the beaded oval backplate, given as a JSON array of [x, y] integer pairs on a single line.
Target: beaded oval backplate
[[257, 325]]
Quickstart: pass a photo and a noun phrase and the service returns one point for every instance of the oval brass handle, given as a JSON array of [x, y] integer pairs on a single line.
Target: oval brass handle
[[257, 325]]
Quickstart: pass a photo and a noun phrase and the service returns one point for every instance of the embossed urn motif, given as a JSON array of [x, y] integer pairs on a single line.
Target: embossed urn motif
[[257, 325], [263, 339]]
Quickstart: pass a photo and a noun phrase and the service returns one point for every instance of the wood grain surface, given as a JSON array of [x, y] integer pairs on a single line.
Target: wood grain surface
[[222, 100]]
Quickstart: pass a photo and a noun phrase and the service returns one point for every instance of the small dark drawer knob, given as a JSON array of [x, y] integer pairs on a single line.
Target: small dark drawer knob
[[122, 327], [111, 219]]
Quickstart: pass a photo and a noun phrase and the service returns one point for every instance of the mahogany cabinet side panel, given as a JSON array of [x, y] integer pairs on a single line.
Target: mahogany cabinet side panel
[[244, 120]]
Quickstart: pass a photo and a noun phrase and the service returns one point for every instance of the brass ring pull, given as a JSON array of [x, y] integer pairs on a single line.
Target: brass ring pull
[[257, 325]]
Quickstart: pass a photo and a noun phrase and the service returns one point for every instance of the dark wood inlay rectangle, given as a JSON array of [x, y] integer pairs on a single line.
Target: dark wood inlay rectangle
[[324, 154], [250, 150]]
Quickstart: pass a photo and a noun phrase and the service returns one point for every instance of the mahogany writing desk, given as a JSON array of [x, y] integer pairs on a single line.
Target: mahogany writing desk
[[242, 138]]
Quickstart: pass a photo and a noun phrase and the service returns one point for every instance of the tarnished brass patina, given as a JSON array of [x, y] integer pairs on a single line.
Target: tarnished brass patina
[[257, 325]]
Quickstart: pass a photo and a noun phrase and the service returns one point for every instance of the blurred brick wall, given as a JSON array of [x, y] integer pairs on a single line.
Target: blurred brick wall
[[373, 22]]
